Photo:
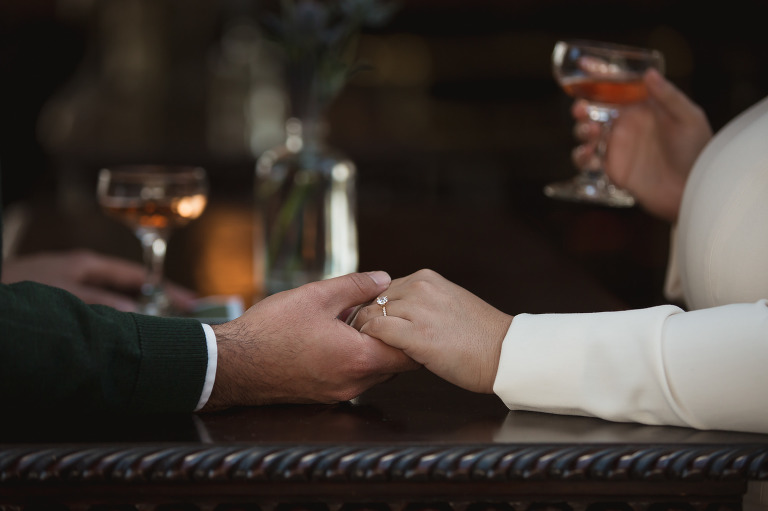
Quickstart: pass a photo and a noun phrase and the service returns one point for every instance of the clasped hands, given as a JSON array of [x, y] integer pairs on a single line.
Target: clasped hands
[[440, 326], [296, 346]]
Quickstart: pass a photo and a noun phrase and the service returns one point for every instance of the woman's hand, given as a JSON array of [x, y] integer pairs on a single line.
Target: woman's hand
[[442, 326], [652, 147]]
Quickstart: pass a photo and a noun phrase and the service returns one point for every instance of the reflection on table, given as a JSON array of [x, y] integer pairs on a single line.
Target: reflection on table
[[415, 442]]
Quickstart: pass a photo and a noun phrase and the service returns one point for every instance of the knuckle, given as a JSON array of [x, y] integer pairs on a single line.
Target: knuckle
[[314, 293], [424, 286], [366, 315], [426, 274]]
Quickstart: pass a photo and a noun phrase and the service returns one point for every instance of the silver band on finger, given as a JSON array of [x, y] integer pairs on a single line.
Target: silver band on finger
[[383, 302]]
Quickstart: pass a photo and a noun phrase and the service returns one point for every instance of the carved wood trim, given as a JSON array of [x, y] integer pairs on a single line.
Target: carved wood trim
[[372, 464]]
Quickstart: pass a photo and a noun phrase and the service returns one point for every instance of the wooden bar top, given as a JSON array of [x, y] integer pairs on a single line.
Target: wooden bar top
[[413, 443]]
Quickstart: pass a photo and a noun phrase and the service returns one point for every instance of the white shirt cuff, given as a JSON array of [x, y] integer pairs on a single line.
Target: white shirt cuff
[[605, 364], [210, 374]]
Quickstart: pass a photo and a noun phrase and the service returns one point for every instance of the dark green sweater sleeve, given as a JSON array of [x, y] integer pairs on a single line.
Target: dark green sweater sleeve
[[56, 352]]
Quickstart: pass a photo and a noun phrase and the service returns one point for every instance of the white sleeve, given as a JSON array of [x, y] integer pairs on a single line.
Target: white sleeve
[[706, 369], [210, 374], [673, 285]]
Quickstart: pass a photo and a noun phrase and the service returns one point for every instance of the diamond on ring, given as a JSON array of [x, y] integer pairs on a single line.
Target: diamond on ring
[[383, 302]]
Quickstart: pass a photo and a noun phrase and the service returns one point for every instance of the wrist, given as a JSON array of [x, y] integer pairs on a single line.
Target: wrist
[[223, 394], [498, 333]]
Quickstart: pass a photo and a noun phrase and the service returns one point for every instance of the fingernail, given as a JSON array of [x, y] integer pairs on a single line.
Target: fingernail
[[381, 278]]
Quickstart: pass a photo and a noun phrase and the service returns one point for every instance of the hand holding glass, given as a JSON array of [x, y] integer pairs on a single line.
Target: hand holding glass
[[152, 200], [608, 76]]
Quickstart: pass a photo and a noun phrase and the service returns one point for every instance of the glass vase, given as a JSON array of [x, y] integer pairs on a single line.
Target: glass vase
[[306, 205]]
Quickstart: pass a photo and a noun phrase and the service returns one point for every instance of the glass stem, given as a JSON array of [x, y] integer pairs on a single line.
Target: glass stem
[[605, 116], [154, 245]]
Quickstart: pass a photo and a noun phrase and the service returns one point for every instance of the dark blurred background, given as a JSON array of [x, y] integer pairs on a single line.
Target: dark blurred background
[[460, 113]]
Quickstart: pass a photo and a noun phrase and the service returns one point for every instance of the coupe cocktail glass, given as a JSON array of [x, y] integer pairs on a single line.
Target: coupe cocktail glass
[[608, 76]]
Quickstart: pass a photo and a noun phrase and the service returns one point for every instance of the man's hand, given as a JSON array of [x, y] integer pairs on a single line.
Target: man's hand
[[92, 277], [292, 347], [452, 332]]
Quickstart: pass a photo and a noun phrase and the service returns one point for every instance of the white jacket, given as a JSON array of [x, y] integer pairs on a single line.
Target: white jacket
[[706, 368]]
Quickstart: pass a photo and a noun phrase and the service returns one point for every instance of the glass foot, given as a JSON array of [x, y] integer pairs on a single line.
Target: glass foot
[[588, 190]]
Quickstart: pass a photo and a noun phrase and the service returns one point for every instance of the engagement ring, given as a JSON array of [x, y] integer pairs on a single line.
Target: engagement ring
[[383, 302]]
